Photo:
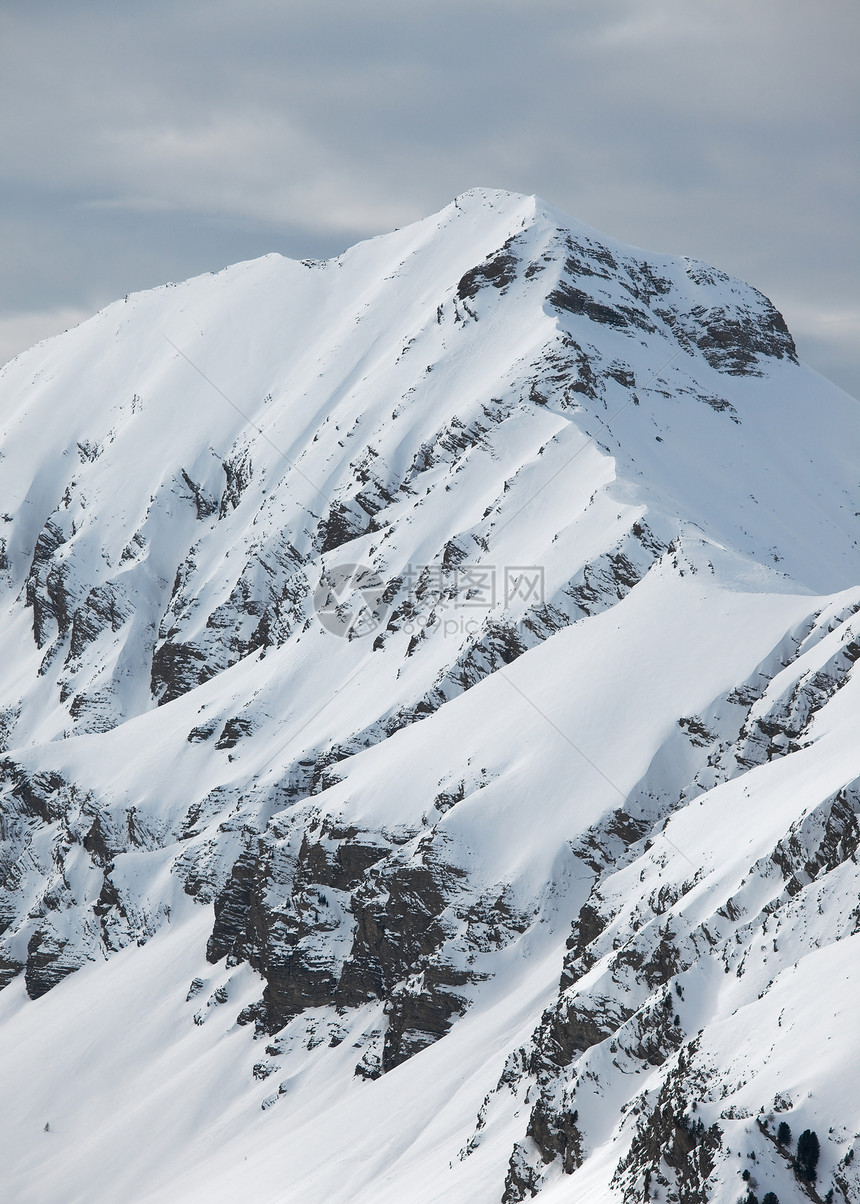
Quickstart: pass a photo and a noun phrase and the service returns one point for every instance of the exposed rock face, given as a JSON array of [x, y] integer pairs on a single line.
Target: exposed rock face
[[358, 919], [671, 1136], [49, 960], [624, 983]]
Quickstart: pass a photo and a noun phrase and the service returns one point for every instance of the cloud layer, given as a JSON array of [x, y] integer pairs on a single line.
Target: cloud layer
[[146, 142]]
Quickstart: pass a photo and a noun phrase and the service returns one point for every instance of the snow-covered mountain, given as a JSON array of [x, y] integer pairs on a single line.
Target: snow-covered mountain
[[428, 734]]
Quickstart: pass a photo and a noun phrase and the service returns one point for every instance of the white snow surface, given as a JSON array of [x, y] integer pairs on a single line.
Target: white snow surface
[[629, 797]]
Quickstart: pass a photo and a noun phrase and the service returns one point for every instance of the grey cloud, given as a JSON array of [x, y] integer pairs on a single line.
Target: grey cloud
[[171, 138]]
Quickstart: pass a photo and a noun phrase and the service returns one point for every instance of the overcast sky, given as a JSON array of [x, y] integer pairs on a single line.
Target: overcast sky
[[147, 142]]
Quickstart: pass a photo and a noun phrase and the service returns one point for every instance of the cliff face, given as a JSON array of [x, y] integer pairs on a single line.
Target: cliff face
[[443, 650]]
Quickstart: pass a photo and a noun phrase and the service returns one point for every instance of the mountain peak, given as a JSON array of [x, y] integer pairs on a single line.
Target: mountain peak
[[438, 661]]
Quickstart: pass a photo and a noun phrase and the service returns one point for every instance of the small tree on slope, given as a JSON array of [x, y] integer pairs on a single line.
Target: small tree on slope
[[807, 1154]]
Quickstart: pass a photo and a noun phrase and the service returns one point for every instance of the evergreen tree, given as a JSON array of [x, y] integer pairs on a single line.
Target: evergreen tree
[[771, 1198], [807, 1154], [783, 1133]]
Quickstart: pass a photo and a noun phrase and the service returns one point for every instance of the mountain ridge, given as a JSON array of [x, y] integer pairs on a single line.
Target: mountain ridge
[[424, 619]]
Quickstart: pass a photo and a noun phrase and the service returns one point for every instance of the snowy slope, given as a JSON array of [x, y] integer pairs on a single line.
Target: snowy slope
[[520, 858]]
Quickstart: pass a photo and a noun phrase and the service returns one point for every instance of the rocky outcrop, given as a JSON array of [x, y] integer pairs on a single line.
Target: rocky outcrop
[[672, 1150], [499, 272]]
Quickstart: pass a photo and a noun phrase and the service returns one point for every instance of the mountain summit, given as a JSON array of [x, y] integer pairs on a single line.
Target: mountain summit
[[428, 760]]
